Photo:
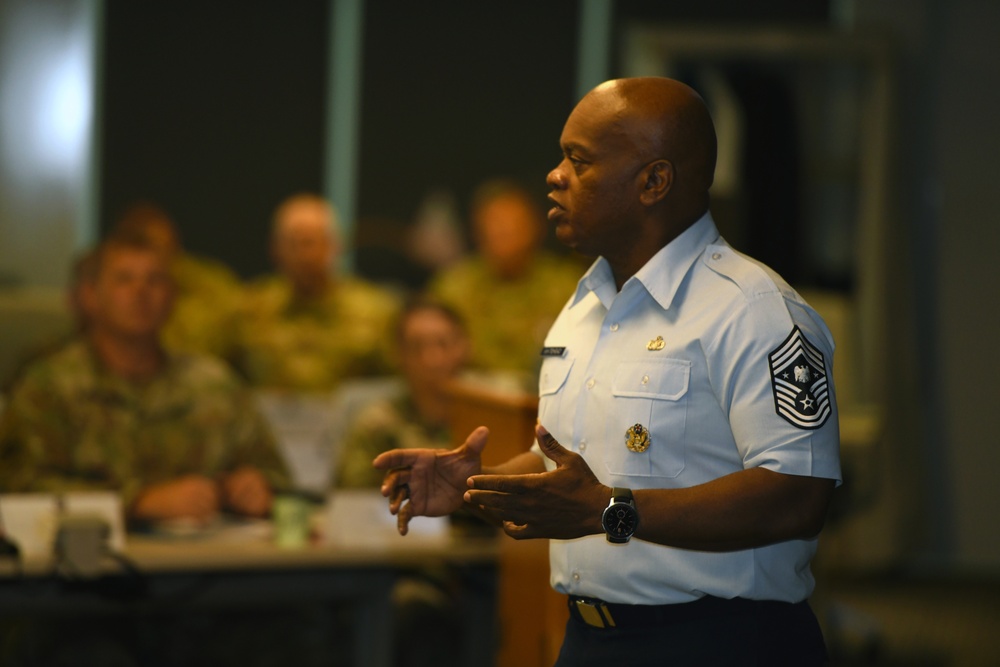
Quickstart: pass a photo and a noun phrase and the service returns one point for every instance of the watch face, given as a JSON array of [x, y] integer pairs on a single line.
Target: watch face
[[620, 520]]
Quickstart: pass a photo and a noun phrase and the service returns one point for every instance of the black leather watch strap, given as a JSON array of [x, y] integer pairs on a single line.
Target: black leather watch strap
[[621, 494]]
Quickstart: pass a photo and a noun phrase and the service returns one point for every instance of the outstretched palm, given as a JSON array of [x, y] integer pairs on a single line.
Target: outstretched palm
[[432, 482]]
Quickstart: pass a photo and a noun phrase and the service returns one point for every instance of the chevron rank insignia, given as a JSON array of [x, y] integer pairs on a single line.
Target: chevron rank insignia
[[799, 379]]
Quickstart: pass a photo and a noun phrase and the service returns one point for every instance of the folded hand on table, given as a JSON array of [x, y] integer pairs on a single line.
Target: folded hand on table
[[189, 497]]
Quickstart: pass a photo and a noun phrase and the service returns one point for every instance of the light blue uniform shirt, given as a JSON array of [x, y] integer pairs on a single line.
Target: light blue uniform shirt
[[740, 380]]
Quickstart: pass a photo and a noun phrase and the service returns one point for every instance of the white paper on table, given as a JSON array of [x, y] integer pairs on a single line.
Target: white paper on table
[[362, 517], [30, 520]]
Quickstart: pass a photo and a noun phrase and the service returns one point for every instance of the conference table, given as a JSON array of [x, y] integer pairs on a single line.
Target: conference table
[[243, 568]]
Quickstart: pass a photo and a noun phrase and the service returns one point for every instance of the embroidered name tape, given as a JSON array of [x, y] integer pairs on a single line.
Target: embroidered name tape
[[553, 351]]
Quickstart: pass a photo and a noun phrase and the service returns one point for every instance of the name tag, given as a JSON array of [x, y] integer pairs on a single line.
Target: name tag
[[553, 351]]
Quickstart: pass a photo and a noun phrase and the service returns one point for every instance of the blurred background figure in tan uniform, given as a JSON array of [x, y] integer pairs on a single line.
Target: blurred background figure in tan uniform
[[432, 347], [307, 328], [511, 290]]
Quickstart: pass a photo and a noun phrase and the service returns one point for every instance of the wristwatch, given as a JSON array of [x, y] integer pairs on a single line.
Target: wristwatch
[[620, 518]]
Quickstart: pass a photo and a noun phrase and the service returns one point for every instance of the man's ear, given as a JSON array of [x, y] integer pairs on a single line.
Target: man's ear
[[658, 178]]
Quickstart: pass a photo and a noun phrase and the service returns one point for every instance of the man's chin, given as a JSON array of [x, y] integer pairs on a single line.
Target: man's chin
[[564, 234]]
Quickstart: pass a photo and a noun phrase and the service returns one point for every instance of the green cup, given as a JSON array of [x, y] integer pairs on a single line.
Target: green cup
[[290, 515]]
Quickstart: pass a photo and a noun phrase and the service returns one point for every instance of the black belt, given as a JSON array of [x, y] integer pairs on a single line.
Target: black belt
[[600, 614]]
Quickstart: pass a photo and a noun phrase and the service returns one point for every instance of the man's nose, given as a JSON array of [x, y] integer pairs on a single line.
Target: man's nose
[[556, 178]]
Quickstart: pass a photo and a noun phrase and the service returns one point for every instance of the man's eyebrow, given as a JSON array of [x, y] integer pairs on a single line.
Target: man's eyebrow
[[572, 147]]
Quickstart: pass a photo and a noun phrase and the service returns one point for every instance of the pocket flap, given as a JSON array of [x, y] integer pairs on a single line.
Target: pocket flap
[[663, 379], [553, 374]]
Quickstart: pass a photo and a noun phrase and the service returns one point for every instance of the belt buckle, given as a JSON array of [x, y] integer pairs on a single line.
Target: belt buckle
[[595, 614]]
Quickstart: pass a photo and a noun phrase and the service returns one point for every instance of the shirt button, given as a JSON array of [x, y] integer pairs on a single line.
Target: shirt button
[[590, 383], [576, 576], [614, 327], [716, 255], [645, 379], [583, 445]]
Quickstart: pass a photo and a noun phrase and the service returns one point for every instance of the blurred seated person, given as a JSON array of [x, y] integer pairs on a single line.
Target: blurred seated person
[[176, 435], [207, 292], [511, 291], [307, 328], [432, 347]]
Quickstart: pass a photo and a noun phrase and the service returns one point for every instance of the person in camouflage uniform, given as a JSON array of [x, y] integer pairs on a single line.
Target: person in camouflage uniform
[[207, 292], [303, 329], [176, 435], [432, 346], [510, 292]]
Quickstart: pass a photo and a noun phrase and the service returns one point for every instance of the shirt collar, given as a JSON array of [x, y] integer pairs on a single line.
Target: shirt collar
[[661, 275]]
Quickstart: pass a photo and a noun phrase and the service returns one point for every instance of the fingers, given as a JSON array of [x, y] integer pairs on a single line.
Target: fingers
[[508, 507], [399, 495], [393, 480], [396, 458], [549, 446], [519, 531], [403, 519]]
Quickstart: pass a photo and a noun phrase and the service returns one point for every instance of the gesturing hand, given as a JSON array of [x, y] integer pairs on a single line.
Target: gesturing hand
[[432, 480], [560, 504]]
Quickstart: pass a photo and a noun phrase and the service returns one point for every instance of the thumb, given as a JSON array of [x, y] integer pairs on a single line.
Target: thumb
[[550, 447], [476, 441]]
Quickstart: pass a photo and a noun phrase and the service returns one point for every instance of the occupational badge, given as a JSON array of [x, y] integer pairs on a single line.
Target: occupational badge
[[637, 438], [656, 344], [799, 380]]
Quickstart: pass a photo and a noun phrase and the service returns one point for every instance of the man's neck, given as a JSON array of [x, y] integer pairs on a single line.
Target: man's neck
[[313, 290], [511, 271], [657, 236], [135, 359]]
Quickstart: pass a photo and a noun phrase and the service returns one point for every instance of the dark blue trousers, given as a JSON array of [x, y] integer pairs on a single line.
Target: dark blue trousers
[[708, 633]]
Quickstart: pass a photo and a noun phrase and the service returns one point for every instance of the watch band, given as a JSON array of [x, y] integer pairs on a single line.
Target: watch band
[[620, 493], [621, 497]]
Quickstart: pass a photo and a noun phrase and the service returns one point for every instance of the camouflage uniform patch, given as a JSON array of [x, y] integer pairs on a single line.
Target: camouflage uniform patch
[[71, 425]]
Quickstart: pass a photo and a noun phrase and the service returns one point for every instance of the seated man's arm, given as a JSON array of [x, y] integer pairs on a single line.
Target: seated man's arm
[[188, 497]]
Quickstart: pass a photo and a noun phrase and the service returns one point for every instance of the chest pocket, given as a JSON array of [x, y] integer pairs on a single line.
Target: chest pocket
[[551, 380], [653, 394]]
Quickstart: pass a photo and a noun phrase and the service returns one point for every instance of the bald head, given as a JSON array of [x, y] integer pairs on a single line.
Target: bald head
[[667, 120], [304, 242], [638, 160]]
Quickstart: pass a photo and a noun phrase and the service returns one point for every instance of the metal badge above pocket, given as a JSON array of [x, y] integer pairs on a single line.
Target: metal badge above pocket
[[637, 438]]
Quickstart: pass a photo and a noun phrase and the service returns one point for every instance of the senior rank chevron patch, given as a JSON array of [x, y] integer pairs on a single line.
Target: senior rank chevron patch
[[799, 379]]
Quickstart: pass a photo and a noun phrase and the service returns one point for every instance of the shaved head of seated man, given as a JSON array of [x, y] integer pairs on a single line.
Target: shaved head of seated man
[[687, 446]]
